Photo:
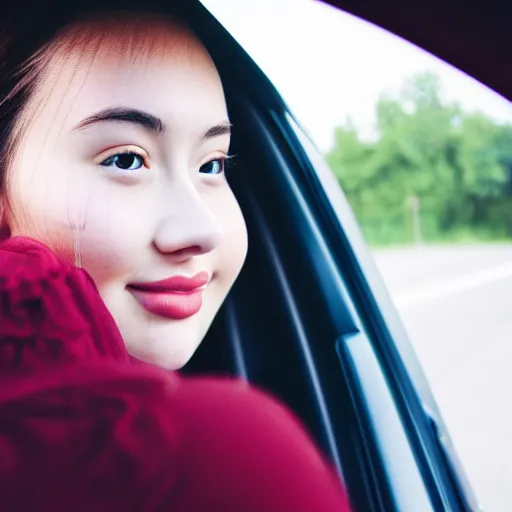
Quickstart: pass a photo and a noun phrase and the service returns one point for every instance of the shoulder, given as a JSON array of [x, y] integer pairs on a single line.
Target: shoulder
[[249, 452]]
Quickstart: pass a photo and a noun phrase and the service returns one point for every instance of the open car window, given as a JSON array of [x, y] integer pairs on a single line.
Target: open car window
[[423, 155]]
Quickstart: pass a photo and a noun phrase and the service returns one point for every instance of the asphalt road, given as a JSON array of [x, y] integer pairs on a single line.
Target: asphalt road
[[456, 303]]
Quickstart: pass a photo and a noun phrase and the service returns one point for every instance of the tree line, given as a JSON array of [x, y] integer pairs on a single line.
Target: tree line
[[433, 173]]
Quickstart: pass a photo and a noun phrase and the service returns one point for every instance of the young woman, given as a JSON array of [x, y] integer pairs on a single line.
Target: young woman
[[122, 238], [115, 139]]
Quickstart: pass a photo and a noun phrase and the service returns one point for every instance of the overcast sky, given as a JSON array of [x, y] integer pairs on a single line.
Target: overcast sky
[[328, 64]]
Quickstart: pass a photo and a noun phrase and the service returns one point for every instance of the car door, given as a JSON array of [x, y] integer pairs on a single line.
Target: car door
[[309, 319]]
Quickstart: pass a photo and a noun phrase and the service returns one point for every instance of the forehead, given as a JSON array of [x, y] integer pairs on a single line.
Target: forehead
[[157, 66]]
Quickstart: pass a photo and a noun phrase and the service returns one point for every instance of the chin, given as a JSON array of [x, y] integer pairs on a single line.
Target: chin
[[169, 353], [174, 362]]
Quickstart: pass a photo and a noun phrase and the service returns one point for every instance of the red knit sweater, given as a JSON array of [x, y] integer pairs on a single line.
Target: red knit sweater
[[83, 428]]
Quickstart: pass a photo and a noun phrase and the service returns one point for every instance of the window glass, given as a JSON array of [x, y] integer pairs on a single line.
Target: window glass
[[424, 155]]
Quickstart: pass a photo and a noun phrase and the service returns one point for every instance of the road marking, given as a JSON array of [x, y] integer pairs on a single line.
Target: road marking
[[453, 286]]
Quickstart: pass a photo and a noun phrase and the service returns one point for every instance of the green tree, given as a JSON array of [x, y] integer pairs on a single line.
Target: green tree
[[459, 166]]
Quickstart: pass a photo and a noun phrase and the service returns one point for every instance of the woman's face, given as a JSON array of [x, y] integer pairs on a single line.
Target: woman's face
[[120, 169]]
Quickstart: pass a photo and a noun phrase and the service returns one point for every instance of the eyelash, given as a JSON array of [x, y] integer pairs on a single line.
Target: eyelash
[[110, 159], [225, 164]]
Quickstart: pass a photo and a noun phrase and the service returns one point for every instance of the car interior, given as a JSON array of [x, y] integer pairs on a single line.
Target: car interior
[[305, 325]]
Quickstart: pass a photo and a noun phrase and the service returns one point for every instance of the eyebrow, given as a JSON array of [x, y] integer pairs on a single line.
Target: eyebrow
[[127, 115], [218, 130], [146, 120]]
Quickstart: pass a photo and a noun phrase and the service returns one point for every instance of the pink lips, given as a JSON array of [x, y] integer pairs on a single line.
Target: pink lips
[[177, 297]]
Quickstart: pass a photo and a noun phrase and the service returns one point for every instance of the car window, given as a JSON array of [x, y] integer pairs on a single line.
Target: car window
[[423, 153]]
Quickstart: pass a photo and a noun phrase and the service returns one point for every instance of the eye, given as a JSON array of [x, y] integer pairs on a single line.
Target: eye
[[216, 166], [128, 161]]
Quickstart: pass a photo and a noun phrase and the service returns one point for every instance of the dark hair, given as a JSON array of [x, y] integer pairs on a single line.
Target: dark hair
[[25, 31]]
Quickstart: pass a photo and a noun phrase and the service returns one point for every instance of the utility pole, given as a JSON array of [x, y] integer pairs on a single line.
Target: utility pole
[[413, 201]]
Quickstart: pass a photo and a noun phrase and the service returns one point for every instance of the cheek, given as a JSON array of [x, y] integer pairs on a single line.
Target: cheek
[[119, 229], [38, 208], [109, 226]]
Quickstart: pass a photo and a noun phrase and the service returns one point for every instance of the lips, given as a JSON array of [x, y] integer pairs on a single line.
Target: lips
[[177, 297]]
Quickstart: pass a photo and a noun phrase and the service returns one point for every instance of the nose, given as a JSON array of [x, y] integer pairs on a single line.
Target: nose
[[187, 227]]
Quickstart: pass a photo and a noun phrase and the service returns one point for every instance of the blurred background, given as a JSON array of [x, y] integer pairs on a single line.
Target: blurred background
[[424, 154]]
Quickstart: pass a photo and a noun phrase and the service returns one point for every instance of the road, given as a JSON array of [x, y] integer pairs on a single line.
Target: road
[[456, 304]]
